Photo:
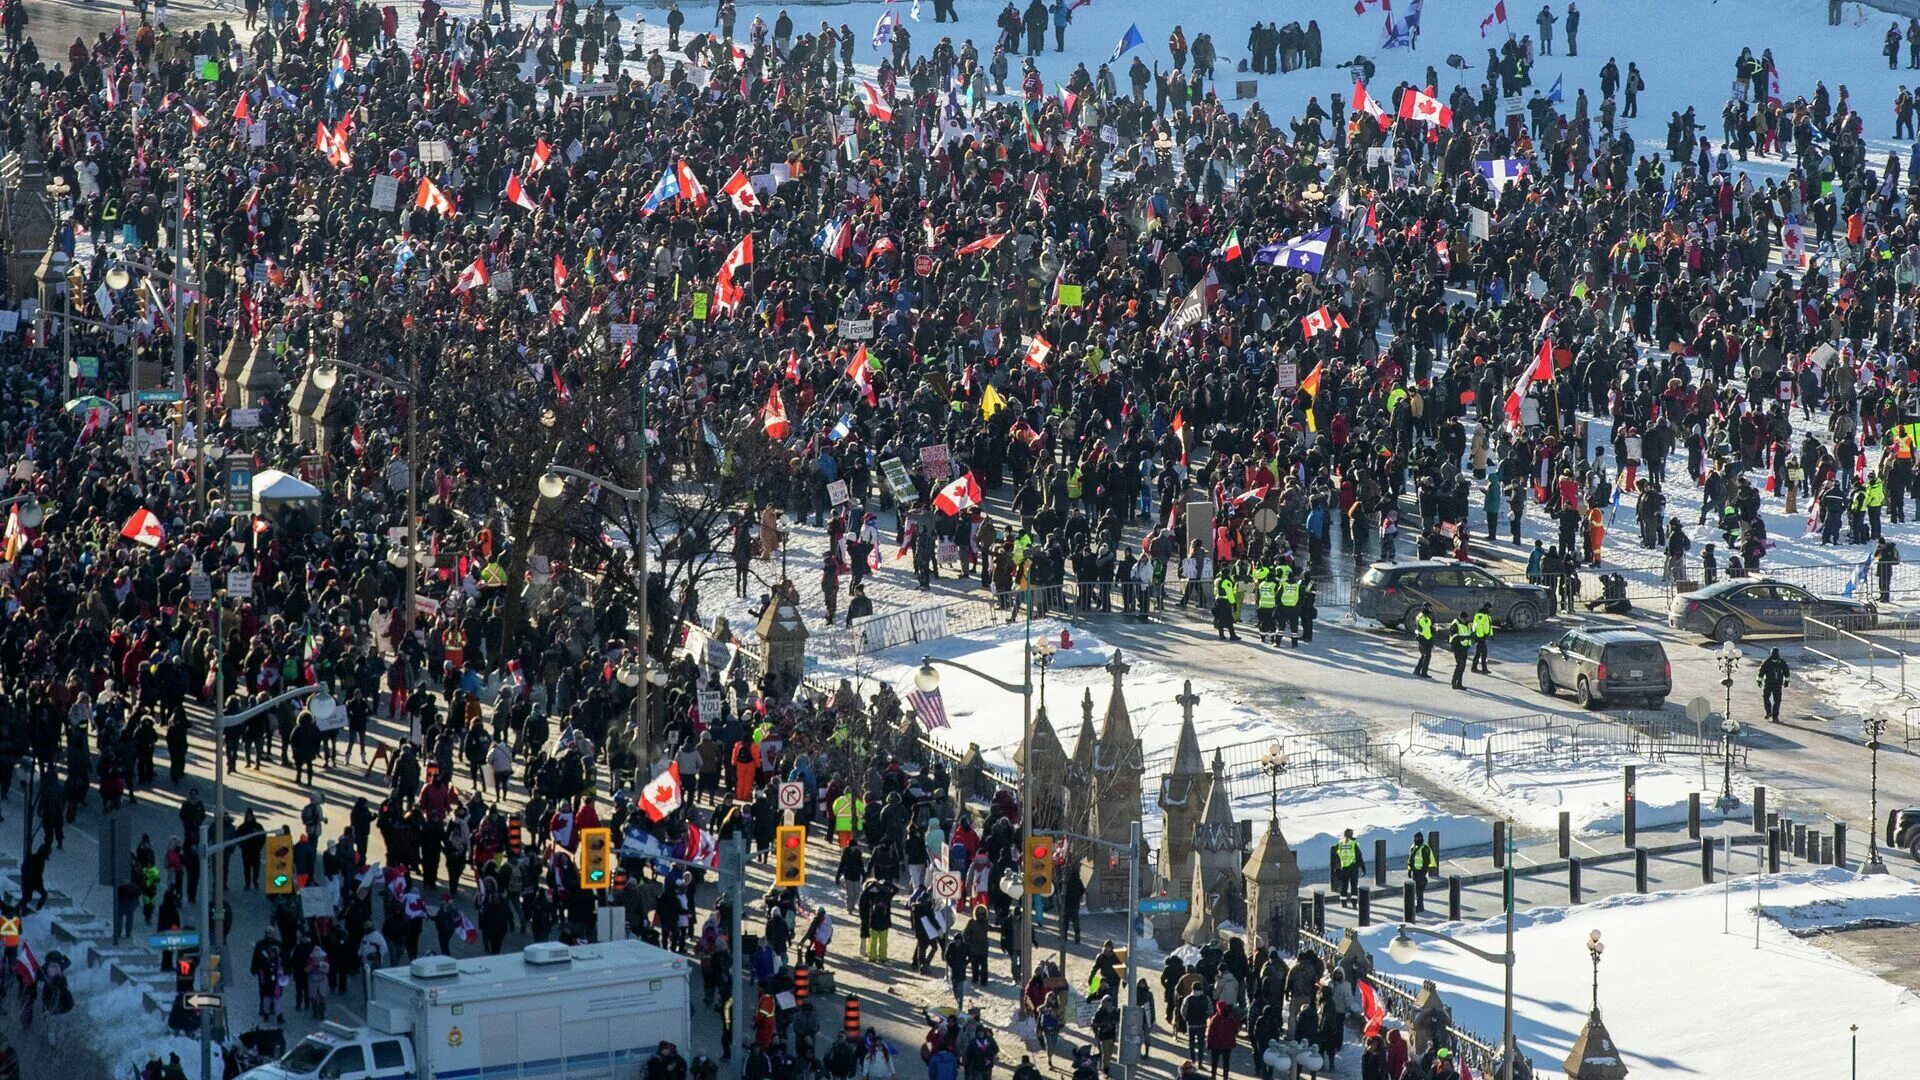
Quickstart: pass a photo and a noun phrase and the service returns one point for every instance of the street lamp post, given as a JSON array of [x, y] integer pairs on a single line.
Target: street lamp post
[[1594, 949], [1728, 659], [326, 375], [553, 485], [1403, 948], [322, 707], [927, 680], [1274, 764], [1874, 726], [1729, 727]]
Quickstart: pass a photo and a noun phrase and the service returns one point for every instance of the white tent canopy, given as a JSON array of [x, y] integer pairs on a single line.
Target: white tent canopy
[[274, 486]]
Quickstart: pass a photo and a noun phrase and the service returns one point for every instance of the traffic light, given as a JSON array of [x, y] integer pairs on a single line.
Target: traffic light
[[1037, 872], [513, 835], [790, 856], [213, 972], [183, 975], [280, 880], [596, 858]]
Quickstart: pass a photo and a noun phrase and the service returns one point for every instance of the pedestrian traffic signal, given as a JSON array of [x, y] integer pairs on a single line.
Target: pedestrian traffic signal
[[1037, 876], [596, 858], [790, 856], [280, 865], [183, 975]]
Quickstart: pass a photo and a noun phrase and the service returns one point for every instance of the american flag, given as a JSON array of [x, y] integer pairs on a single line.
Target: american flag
[[928, 707]]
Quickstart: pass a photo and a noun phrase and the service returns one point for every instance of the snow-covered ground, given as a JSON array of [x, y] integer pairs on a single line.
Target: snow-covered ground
[[1686, 988]]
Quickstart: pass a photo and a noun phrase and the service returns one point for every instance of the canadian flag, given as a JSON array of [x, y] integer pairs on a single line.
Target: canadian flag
[[1540, 370], [430, 197], [664, 793], [1499, 16], [1038, 349], [464, 927], [144, 528], [961, 495], [774, 416], [1364, 102], [728, 294], [877, 106], [691, 188], [517, 193], [197, 118], [1420, 105], [861, 372], [985, 243], [1322, 320], [474, 276], [739, 188], [542, 153], [559, 271], [1444, 254]]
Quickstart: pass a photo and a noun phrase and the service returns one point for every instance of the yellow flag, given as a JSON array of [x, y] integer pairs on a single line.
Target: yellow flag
[[991, 402]]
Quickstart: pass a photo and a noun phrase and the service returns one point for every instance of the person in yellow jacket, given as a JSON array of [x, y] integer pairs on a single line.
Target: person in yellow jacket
[[1266, 588], [848, 809], [1482, 634], [1423, 635], [1226, 604]]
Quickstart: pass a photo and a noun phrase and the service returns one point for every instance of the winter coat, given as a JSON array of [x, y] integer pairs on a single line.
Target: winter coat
[[1223, 1030]]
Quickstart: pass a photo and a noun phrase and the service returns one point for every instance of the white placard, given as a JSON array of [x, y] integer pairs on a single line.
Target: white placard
[[837, 492], [711, 706], [243, 419], [257, 133], [386, 193], [9, 321], [857, 329], [624, 333], [1286, 376], [240, 584], [315, 901], [435, 151], [199, 587], [1109, 135]]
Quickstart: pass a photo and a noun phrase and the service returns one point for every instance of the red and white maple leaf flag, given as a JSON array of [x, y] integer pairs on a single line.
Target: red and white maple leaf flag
[[430, 197], [559, 271], [739, 188], [664, 793], [1038, 349], [517, 193], [1420, 105], [961, 495], [473, 277], [143, 528], [1365, 103], [773, 418], [728, 294], [1499, 15], [542, 153], [860, 370], [240, 110], [1322, 320], [877, 105], [197, 118], [985, 243], [1540, 370]]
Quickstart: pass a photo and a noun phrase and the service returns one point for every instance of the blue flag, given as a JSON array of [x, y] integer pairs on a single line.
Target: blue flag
[[1301, 253], [1859, 576], [1127, 41], [1555, 95]]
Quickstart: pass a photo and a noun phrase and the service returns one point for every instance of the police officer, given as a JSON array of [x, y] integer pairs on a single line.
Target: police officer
[[1773, 679], [1460, 638], [1857, 515], [1290, 607], [1349, 864], [1423, 633], [1226, 604], [1267, 596], [1420, 867], [1482, 633], [1876, 497]]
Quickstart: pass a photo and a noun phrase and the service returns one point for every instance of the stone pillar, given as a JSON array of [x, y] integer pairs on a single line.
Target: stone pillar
[[1272, 882], [784, 634], [1215, 886], [1594, 1055], [1183, 794], [1431, 1019], [1049, 775], [1117, 765]]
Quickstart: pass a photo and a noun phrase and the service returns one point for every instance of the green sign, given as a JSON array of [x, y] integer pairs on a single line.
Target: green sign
[[700, 307], [281, 881], [1070, 296], [87, 367], [159, 397], [210, 70]]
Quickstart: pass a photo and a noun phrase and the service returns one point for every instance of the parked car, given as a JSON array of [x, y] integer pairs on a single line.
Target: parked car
[[1903, 830], [1392, 592], [1605, 666], [1743, 607]]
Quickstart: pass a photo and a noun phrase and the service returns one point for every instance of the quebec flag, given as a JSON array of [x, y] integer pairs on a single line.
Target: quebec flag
[[1301, 253], [667, 187]]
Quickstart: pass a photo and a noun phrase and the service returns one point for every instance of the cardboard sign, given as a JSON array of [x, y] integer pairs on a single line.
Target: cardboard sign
[[894, 471], [9, 322], [210, 71], [1071, 296], [435, 151], [240, 584], [857, 329], [257, 134], [1286, 376], [315, 902], [86, 367], [700, 302], [711, 706], [386, 193], [624, 333], [935, 461], [244, 419], [199, 587], [1109, 134], [837, 492]]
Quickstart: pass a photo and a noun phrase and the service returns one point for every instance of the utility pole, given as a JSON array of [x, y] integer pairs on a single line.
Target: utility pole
[[733, 866], [1131, 1024]]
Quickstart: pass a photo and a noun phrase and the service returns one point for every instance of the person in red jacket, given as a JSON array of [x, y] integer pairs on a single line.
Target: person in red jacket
[[1223, 1030]]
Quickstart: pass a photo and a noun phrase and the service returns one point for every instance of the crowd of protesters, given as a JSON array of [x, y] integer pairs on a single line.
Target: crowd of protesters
[[1103, 302]]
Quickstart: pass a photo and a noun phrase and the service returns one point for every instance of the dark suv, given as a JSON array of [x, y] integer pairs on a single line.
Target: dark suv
[[1903, 829], [1391, 592], [1602, 666]]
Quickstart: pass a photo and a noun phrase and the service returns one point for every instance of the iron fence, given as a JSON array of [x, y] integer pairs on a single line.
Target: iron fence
[[1307, 759]]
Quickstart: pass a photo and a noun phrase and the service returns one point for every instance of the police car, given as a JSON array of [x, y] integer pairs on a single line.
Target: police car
[[1391, 592], [1744, 607]]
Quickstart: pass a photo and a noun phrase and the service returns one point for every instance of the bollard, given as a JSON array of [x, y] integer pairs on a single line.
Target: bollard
[[1306, 915], [1799, 841], [1693, 815], [1566, 834], [1706, 860], [1760, 820], [1773, 850], [1499, 845], [1453, 898], [1630, 805], [1319, 911], [1640, 870], [1573, 881], [1826, 850], [1366, 907], [1433, 841], [1839, 843], [1379, 862], [1407, 910], [1333, 862]]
